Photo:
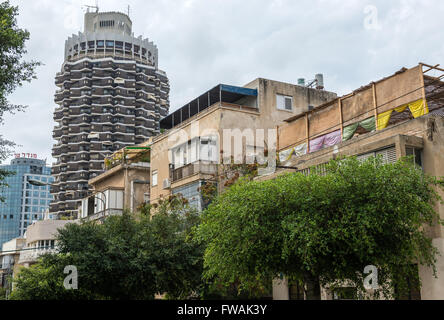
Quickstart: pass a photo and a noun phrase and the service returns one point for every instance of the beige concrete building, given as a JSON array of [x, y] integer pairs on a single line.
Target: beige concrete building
[[222, 122], [9, 257], [123, 186], [40, 238], [397, 116]]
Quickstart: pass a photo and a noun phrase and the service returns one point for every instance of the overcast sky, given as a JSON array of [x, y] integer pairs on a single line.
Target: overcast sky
[[205, 42]]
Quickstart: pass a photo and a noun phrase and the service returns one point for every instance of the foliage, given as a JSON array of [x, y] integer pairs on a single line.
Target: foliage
[[227, 175], [44, 281], [2, 293], [133, 256], [325, 228], [13, 71]]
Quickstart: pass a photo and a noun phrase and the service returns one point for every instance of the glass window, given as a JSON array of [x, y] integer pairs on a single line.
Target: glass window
[[191, 193], [154, 182], [416, 154], [284, 102]]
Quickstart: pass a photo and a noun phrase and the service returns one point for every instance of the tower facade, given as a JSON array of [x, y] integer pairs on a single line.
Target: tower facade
[[111, 95], [24, 203]]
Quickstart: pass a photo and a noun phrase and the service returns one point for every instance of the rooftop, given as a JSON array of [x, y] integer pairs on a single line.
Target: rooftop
[[220, 93]]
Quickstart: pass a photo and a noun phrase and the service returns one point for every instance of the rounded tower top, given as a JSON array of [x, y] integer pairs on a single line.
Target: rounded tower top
[[107, 22]]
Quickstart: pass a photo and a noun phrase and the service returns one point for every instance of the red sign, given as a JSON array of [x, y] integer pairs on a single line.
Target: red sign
[[26, 155]]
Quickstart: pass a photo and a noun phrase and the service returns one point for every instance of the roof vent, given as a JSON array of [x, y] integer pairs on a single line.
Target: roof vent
[[319, 81]]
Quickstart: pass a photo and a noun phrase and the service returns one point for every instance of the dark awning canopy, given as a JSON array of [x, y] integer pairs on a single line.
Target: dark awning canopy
[[220, 93]]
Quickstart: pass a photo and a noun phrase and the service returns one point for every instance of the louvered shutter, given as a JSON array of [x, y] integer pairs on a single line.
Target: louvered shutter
[[288, 103], [388, 155], [365, 156]]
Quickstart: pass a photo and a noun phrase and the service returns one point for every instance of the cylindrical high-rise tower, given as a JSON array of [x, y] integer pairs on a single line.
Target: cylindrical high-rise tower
[[111, 95]]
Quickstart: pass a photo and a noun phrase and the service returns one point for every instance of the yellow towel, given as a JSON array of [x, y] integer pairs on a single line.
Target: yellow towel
[[417, 108]]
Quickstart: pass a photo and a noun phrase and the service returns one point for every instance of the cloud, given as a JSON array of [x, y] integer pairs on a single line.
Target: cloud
[[202, 43]]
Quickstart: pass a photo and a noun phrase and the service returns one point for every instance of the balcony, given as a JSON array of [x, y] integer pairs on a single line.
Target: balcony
[[198, 167], [100, 216], [31, 255]]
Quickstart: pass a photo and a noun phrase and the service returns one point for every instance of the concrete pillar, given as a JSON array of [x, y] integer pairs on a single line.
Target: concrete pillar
[[280, 289], [433, 288]]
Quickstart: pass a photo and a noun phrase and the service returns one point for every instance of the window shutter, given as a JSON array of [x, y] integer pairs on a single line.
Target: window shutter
[[365, 156], [288, 103], [388, 155]]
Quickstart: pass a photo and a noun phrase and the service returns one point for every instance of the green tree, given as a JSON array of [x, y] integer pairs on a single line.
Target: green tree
[[44, 281], [2, 293], [133, 256], [13, 71], [323, 229]]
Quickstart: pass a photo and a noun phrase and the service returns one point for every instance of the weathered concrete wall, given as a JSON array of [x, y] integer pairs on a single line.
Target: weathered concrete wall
[[280, 289], [388, 93], [400, 89], [433, 162], [293, 134], [261, 114], [302, 98], [44, 230], [358, 107], [120, 177], [206, 123]]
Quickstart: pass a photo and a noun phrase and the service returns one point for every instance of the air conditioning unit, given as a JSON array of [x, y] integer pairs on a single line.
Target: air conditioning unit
[[166, 184]]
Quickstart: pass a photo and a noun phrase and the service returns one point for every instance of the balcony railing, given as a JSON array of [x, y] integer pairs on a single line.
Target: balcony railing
[[31, 255], [204, 167], [102, 214]]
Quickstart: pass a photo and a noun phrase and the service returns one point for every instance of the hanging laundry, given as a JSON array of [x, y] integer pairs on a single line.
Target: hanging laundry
[[327, 140], [368, 124], [418, 108]]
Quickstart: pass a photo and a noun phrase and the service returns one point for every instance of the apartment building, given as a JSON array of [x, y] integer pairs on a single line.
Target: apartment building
[[397, 116], [9, 257], [223, 122], [123, 186], [40, 239], [112, 95]]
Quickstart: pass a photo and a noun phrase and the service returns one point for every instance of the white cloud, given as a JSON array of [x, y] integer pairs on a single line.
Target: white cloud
[[203, 43]]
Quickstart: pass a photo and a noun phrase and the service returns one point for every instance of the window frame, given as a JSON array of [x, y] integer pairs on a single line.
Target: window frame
[[154, 182], [284, 107]]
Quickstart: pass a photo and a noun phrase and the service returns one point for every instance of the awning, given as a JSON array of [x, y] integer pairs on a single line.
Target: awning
[[220, 93]]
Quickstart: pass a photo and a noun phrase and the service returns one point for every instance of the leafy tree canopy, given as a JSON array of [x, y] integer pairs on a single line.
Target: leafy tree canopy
[[13, 71], [133, 256], [325, 227]]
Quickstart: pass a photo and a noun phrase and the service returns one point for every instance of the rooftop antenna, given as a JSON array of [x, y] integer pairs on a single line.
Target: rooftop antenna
[[92, 7], [128, 10]]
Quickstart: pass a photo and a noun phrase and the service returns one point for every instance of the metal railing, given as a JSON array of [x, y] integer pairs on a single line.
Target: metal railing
[[193, 168]]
